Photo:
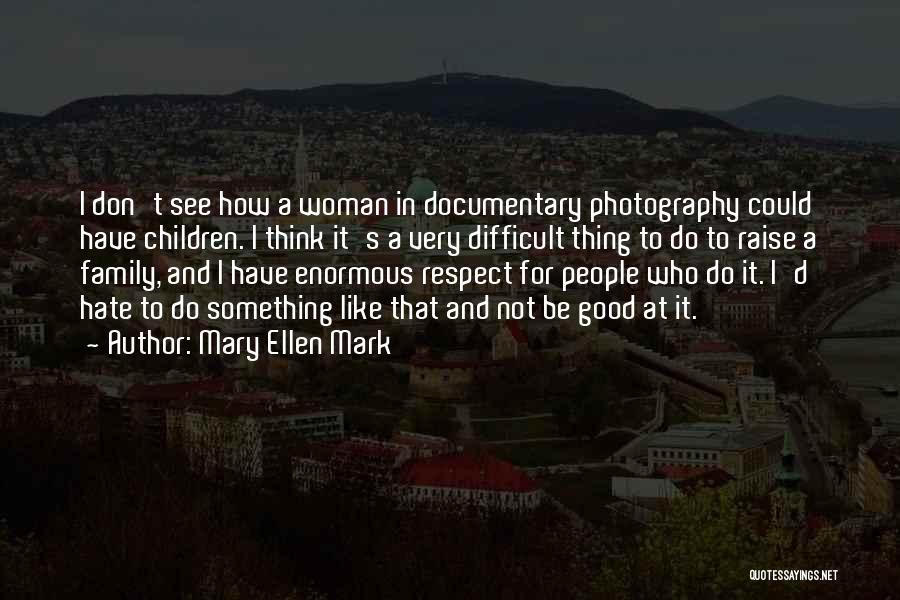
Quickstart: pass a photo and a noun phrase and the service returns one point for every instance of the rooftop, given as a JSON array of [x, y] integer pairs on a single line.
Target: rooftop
[[712, 436], [629, 488], [466, 470]]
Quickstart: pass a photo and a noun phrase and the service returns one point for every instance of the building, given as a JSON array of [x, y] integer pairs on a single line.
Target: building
[[362, 463], [692, 482], [10, 360], [757, 400], [703, 391], [509, 342], [417, 471], [440, 379], [883, 236], [16, 326], [788, 503], [359, 465], [749, 454], [247, 436], [744, 310], [686, 340], [719, 361], [139, 415], [876, 480], [448, 377], [22, 262], [466, 479], [422, 445], [652, 493]]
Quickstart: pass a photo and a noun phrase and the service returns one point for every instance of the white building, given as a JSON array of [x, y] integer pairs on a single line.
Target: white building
[[247, 435], [17, 325], [757, 400], [749, 454], [10, 360]]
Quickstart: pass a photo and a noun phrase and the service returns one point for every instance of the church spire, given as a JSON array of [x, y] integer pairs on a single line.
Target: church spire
[[787, 476], [788, 503]]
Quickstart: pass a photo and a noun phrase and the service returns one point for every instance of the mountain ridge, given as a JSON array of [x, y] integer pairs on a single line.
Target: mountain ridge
[[8, 119], [790, 115], [481, 99]]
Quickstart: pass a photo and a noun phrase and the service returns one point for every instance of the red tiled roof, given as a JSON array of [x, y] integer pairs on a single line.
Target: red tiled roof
[[883, 235], [815, 522], [517, 332], [466, 471]]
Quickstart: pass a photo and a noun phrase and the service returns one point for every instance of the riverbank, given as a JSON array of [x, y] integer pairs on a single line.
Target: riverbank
[[867, 364]]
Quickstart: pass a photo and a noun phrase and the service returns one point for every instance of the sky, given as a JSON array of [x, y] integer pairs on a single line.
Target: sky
[[671, 53]]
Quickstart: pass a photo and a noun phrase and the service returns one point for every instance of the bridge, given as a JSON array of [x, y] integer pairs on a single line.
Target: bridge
[[879, 328]]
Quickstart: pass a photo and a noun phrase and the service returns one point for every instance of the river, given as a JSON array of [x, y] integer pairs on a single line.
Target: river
[[869, 362]]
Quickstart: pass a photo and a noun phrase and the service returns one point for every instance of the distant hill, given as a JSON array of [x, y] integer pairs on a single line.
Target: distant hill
[[16, 120], [490, 100], [881, 104], [795, 116]]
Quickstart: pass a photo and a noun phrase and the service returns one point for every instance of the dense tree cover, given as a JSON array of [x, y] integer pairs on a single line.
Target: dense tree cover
[[430, 419], [515, 387], [75, 522], [705, 546], [79, 523], [582, 410], [369, 385]]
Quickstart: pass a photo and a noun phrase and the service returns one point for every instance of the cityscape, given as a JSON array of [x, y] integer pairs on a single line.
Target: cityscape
[[480, 458]]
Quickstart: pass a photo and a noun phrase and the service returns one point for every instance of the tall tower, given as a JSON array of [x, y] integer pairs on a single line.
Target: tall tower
[[301, 166], [787, 501]]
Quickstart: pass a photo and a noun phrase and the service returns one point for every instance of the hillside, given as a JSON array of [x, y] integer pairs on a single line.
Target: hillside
[[16, 120], [494, 101], [795, 116]]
